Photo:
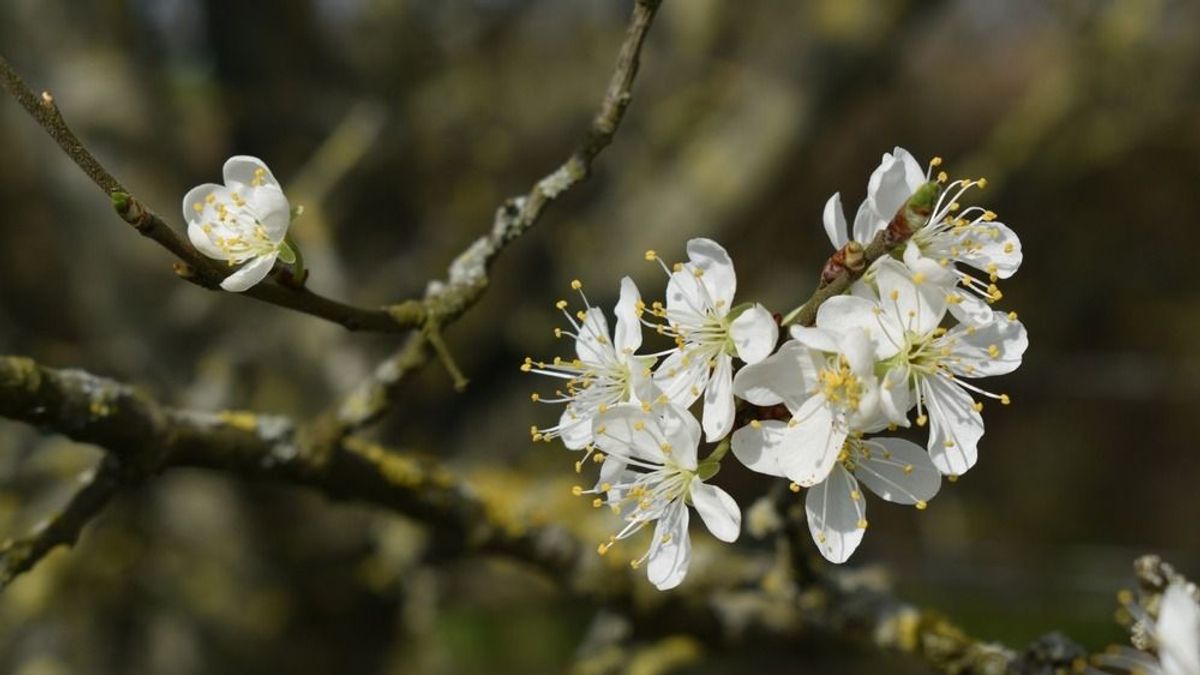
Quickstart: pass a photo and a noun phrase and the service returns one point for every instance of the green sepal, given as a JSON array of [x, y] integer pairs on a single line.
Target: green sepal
[[707, 469], [286, 254]]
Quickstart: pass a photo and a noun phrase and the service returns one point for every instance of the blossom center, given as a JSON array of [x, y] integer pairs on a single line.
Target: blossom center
[[838, 383]]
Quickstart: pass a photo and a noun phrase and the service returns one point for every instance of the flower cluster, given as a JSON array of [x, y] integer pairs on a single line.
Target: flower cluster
[[905, 343]]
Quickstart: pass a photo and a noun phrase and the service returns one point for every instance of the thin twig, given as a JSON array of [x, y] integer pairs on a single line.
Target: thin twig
[[467, 278], [20, 555]]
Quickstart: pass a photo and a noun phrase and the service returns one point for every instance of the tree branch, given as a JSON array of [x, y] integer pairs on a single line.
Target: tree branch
[[740, 592]]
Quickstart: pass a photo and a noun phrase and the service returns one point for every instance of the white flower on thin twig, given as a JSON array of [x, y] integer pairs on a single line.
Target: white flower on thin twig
[[242, 222]]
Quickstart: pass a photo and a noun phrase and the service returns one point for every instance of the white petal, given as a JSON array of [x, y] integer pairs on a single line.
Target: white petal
[[682, 377], [867, 223], [887, 189], [272, 208], [678, 427], [994, 348], [762, 448], [782, 377], [196, 197], [628, 336], [688, 302], [671, 550], [641, 378], [203, 242], [898, 471], [845, 313], [243, 169], [816, 338], [718, 400], [896, 396], [717, 275], [917, 307], [610, 474], [628, 431], [969, 308], [754, 333], [914, 176], [717, 509], [1178, 631], [992, 243], [955, 427], [593, 344], [575, 429], [859, 352], [835, 221], [249, 274], [835, 515], [814, 443]]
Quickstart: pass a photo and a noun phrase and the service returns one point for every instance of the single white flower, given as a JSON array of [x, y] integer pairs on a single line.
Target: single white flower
[[923, 362], [971, 236], [827, 382], [1174, 636], [243, 222], [709, 332], [895, 469], [651, 475], [604, 372]]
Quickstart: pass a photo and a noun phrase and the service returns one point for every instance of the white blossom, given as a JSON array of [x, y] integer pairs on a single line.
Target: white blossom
[[709, 331], [604, 372], [826, 381], [242, 222], [895, 469], [1173, 635], [650, 475], [924, 363]]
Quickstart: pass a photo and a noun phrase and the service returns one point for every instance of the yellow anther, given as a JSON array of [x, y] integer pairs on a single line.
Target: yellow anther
[[576, 284], [821, 538], [597, 503], [578, 468], [921, 420], [598, 457], [651, 255], [197, 207], [953, 478], [577, 490], [1008, 247], [908, 469], [646, 407], [677, 267], [535, 397], [561, 304], [921, 505], [755, 424], [982, 183], [603, 408], [993, 351], [978, 406], [1012, 316], [698, 272], [1004, 399], [855, 495], [603, 548], [862, 523], [601, 429], [1125, 596], [942, 177], [989, 216], [605, 487], [581, 315], [794, 487], [918, 278], [639, 425], [936, 161], [210, 198]]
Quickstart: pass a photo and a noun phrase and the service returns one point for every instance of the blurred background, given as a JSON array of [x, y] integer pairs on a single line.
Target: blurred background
[[402, 124]]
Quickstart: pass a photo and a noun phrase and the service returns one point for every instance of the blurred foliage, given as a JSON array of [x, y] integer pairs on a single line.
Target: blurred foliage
[[402, 124]]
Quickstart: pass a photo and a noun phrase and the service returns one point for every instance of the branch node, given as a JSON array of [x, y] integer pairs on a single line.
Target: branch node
[[433, 333]]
